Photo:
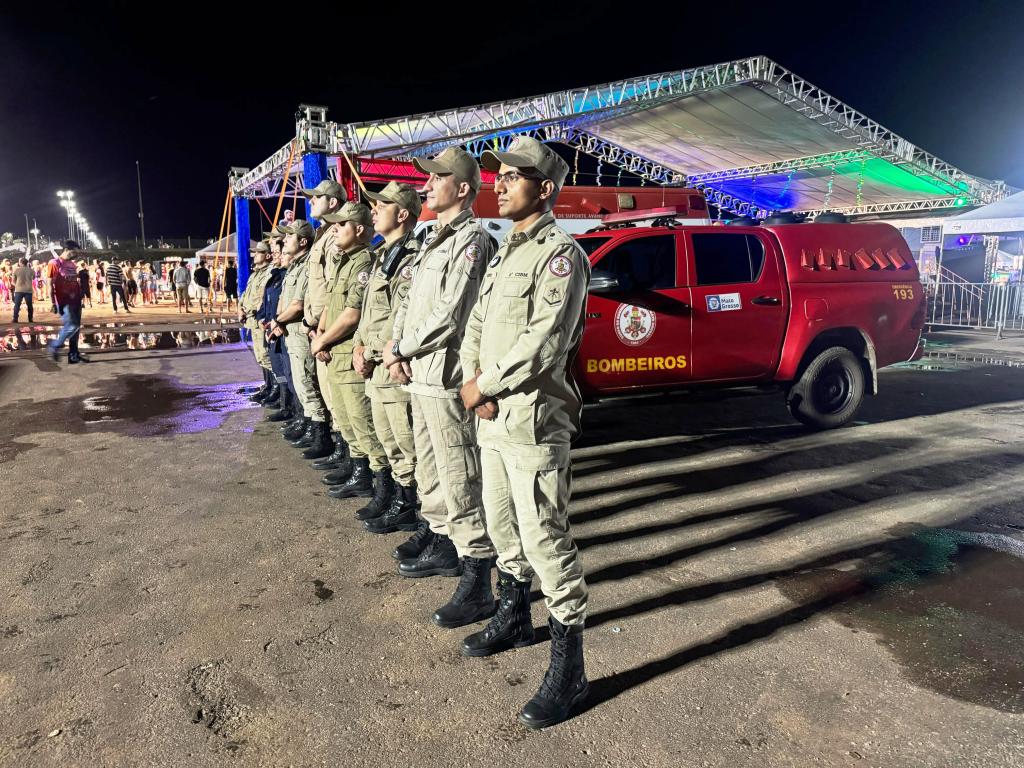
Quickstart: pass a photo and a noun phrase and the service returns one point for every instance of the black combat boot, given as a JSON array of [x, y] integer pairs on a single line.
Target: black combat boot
[[383, 491], [473, 599], [359, 484], [438, 559], [511, 626], [341, 475], [565, 683], [260, 394], [273, 398], [321, 444], [333, 461], [297, 429], [415, 544], [284, 412], [400, 516], [305, 437]]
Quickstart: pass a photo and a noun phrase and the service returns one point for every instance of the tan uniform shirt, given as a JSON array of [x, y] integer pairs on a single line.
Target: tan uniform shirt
[[383, 297], [523, 334], [293, 288], [316, 289], [252, 296], [346, 275], [432, 318]]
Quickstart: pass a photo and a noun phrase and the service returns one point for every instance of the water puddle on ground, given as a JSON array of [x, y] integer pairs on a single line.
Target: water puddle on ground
[[138, 406], [938, 360], [948, 609], [36, 339]]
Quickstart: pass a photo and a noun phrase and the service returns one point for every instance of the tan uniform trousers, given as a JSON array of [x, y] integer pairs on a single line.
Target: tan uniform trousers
[[448, 473], [353, 417], [392, 420], [304, 373], [325, 389], [526, 492], [259, 344]]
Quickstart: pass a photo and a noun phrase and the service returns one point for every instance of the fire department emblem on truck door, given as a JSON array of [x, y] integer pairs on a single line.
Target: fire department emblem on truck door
[[634, 325]]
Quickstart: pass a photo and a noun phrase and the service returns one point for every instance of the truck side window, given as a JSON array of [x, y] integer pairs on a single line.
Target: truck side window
[[644, 263], [727, 257]]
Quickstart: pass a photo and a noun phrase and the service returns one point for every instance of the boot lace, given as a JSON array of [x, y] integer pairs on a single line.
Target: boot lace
[[559, 675], [470, 571]]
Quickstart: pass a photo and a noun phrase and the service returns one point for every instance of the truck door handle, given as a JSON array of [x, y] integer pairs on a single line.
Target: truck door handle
[[771, 301]]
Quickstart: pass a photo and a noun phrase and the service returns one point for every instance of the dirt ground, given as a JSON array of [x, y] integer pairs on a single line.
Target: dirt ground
[[178, 590]]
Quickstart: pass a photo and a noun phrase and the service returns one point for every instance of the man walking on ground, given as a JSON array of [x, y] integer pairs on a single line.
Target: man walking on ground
[[201, 277], [517, 356], [115, 281], [23, 275], [181, 278], [230, 283], [424, 355], [66, 292]]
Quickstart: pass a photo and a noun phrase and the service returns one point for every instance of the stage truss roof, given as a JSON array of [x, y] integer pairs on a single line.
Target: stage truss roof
[[753, 136]]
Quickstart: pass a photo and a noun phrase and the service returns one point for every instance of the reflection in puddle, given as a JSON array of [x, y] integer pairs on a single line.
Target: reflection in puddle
[[36, 338], [948, 610], [937, 360], [138, 406]]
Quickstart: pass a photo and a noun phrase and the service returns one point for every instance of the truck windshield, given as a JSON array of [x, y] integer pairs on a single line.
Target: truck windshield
[[591, 244]]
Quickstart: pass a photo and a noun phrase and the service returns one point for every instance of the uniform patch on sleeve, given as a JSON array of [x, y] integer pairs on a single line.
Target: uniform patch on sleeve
[[363, 277], [560, 266], [472, 253], [407, 272], [554, 295]]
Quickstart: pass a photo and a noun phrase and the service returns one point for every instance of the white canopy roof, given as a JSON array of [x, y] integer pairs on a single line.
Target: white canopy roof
[[226, 246], [1006, 215]]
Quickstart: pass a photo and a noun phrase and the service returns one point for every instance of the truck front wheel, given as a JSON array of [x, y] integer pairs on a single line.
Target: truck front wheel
[[830, 390]]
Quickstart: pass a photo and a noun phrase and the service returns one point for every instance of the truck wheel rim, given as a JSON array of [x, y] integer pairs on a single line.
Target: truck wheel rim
[[833, 389]]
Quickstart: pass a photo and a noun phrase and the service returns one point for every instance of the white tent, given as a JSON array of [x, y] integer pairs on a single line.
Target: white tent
[[1001, 217], [225, 247]]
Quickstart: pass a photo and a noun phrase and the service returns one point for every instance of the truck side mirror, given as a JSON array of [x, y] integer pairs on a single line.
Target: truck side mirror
[[602, 281]]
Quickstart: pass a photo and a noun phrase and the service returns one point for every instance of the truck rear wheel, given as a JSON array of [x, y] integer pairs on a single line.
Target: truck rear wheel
[[830, 390]]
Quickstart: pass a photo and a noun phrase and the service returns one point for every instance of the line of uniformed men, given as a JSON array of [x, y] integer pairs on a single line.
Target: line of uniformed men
[[444, 370]]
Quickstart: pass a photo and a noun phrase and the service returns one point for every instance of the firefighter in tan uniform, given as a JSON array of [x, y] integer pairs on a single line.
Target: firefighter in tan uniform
[[248, 303], [347, 273], [425, 355], [522, 337], [326, 197], [288, 323], [393, 507]]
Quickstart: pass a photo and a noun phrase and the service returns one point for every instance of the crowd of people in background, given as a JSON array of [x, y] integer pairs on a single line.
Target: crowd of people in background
[[121, 284]]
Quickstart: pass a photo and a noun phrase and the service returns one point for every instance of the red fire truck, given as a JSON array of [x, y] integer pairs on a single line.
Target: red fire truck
[[815, 308]]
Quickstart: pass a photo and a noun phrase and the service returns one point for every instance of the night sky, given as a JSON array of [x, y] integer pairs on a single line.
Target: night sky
[[190, 91]]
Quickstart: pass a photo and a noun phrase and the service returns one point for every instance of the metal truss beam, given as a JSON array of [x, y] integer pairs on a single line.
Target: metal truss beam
[[905, 206], [631, 162], [783, 166], [572, 107]]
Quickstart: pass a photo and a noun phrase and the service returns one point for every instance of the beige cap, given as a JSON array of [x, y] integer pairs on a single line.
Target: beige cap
[[354, 212], [528, 154], [455, 161], [261, 247], [329, 188], [299, 227], [404, 195]]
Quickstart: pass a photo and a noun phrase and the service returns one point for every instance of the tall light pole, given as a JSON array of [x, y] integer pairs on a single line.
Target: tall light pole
[[28, 237], [142, 217]]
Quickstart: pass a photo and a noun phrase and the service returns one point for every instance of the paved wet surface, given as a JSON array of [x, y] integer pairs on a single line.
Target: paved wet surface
[[178, 590], [131, 405]]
